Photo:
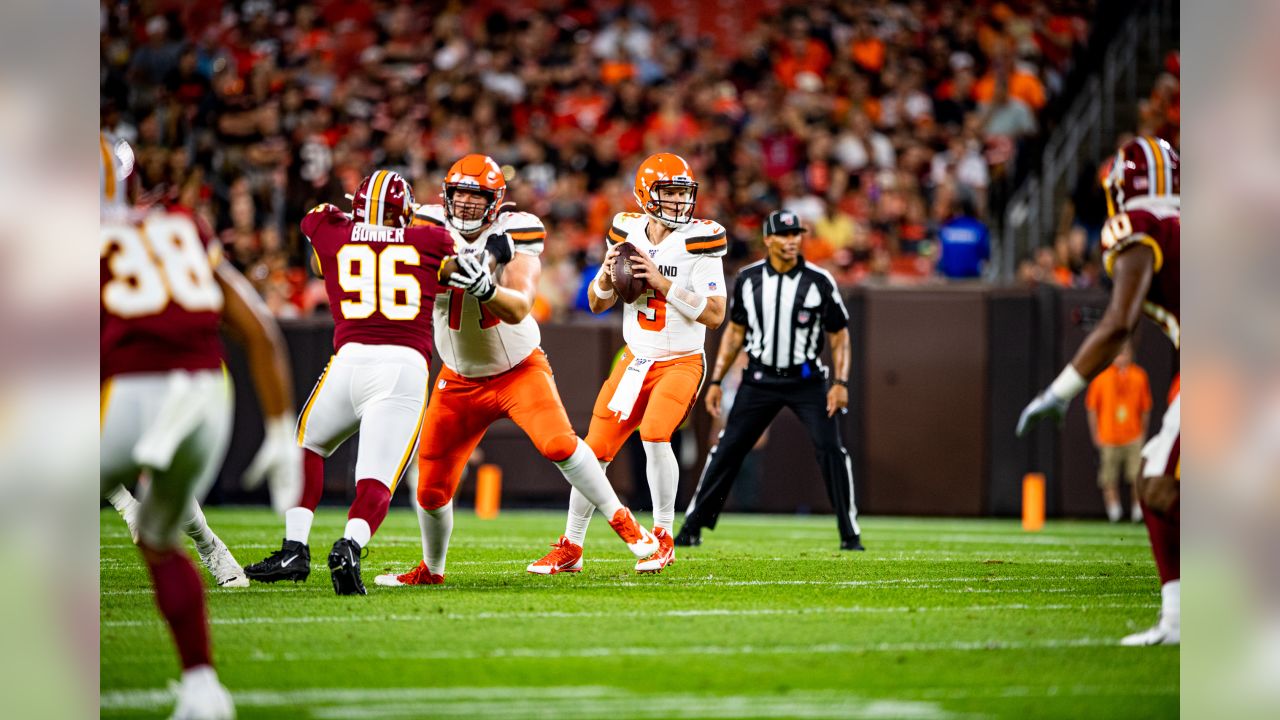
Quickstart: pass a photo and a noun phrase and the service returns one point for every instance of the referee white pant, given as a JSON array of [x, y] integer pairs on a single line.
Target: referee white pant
[[380, 390]]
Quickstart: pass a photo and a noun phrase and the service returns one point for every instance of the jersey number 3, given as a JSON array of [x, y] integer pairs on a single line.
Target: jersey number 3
[[654, 314], [373, 275]]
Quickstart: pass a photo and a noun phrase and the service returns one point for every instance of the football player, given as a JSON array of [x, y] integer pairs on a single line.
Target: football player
[[382, 278], [1142, 253], [493, 366], [661, 370], [166, 400]]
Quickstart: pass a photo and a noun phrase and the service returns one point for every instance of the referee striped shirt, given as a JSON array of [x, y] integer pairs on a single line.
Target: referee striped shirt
[[787, 314]]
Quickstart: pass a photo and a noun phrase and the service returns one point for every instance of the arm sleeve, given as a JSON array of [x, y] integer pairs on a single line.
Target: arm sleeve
[[707, 277], [738, 313], [835, 317]]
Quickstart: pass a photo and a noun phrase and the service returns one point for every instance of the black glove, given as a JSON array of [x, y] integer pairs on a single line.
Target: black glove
[[499, 245]]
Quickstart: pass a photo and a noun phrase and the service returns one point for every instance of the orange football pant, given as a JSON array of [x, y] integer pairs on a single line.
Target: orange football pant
[[667, 396], [461, 409]]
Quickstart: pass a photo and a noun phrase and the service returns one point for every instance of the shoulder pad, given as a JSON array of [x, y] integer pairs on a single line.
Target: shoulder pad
[[706, 237], [524, 228], [624, 223], [429, 215]]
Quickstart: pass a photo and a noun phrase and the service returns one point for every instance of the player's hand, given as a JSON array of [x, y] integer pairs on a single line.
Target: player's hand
[[837, 399], [473, 276], [714, 396], [500, 247], [1045, 405], [645, 269], [1159, 494], [607, 266], [279, 462]]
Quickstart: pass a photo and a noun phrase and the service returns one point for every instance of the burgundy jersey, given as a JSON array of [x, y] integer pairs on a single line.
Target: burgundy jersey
[[1157, 226], [381, 281], [161, 303]]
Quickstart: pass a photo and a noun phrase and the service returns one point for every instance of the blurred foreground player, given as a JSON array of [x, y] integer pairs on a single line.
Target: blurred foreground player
[[1142, 254], [493, 365], [381, 278], [166, 400], [660, 373]]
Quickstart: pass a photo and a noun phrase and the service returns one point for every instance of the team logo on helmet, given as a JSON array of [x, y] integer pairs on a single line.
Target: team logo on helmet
[[666, 171]]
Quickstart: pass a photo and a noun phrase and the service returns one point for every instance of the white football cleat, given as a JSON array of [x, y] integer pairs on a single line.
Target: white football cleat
[[565, 556], [130, 516], [1166, 632], [662, 557], [223, 566], [202, 697]]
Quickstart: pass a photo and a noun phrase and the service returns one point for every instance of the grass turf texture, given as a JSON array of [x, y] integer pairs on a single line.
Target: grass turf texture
[[939, 619]]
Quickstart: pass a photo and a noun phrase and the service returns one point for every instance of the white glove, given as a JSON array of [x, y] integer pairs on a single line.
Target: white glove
[[1044, 405], [279, 461], [473, 276]]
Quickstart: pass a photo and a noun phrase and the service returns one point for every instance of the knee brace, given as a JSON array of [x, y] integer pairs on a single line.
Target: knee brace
[[431, 496], [559, 447]]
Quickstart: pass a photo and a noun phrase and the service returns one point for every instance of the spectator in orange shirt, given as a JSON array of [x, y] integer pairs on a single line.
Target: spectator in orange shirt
[[1119, 405]]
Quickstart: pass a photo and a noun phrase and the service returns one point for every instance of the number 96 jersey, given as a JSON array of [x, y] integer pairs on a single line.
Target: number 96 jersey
[[161, 303], [473, 342], [381, 281]]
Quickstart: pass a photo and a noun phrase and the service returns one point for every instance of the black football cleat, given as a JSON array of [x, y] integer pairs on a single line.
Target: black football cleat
[[291, 562], [853, 543], [344, 568], [688, 538]]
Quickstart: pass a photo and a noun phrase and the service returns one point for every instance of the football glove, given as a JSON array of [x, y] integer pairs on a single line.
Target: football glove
[[279, 462], [1045, 405], [473, 276]]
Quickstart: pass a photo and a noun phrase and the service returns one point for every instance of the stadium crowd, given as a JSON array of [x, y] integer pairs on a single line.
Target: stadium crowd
[[876, 123]]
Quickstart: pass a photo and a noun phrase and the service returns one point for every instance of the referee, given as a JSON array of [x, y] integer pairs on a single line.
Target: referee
[[782, 307]]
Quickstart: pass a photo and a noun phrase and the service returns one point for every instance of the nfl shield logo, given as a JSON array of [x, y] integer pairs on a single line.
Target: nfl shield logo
[[803, 316], [653, 252], [711, 286]]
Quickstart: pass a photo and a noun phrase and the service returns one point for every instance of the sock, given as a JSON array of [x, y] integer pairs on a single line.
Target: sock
[[663, 471], [586, 475], [180, 597], [1171, 602], [312, 479], [368, 511], [580, 511], [297, 524], [197, 528], [1136, 515], [121, 499], [1114, 511], [436, 526], [1166, 544]]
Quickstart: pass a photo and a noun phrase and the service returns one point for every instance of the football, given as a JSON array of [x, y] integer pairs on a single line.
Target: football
[[628, 286], [450, 264]]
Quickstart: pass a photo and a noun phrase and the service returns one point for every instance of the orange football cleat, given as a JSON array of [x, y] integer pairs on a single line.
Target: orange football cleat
[[665, 554], [566, 556], [639, 541], [420, 575]]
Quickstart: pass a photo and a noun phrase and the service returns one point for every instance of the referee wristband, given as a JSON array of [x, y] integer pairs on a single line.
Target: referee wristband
[[838, 381], [715, 382]]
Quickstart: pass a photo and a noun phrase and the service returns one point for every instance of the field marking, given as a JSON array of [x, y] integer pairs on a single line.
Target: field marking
[[587, 703], [640, 612]]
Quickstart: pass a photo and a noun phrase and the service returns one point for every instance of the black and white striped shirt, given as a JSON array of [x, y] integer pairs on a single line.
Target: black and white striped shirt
[[787, 314]]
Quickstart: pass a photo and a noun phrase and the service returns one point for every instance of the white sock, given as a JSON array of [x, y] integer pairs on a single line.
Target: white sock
[[663, 471], [358, 530], [200, 675], [121, 499], [1136, 513], [297, 524], [1114, 511], [197, 528], [586, 475], [580, 511], [1171, 602], [436, 526]]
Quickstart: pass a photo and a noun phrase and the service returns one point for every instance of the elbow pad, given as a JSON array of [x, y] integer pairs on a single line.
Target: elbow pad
[[690, 304]]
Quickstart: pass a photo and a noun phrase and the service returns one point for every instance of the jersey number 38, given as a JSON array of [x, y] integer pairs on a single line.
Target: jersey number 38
[[160, 261]]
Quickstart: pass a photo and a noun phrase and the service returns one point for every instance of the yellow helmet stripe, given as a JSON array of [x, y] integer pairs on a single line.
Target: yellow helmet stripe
[[108, 169], [1159, 158], [374, 208]]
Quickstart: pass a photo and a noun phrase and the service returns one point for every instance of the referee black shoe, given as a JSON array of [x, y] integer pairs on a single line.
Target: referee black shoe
[[853, 543], [344, 568], [291, 562], [688, 538]]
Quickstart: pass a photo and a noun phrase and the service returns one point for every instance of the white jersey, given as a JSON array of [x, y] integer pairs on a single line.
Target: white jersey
[[471, 341], [690, 258]]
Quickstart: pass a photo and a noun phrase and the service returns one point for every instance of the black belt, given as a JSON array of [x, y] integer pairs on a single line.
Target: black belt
[[804, 371]]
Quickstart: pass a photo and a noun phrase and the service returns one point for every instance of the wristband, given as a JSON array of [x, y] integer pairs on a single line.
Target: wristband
[[715, 382], [602, 294], [841, 382], [1069, 384]]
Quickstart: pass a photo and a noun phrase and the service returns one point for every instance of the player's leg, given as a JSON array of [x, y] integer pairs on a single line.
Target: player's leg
[[127, 506], [214, 554], [528, 396], [1109, 460], [1133, 473], [327, 419], [174, 486], [810, 405], [605, 436], [754, 407], [457, 416], [1158, 491], [672, 388]]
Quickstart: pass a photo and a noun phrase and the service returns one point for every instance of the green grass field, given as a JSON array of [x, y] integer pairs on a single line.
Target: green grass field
[[939, 619]]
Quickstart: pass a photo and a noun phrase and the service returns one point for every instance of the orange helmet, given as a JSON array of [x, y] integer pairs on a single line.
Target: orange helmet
[[477, 174], [671, 171]]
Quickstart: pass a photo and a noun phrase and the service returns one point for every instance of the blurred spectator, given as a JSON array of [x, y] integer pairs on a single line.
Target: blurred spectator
[[965, 244], [1119, 407]]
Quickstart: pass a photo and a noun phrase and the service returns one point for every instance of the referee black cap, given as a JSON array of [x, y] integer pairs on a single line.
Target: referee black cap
[[783, 222]]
